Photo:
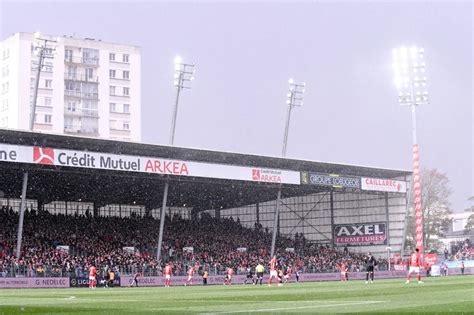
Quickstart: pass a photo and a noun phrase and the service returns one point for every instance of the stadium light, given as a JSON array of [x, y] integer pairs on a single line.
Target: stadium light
[[40, 46], [295, 97], [409, 77], [183, 75]]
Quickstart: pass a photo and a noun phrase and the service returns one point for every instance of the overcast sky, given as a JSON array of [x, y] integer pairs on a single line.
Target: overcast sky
[[245, 52]]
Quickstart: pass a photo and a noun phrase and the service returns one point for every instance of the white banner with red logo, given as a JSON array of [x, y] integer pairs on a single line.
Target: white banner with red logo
[[381, 184], [418, 206], [431, 259], [132, 163]]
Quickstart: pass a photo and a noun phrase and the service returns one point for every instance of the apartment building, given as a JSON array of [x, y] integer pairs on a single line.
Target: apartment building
[[86, 86]]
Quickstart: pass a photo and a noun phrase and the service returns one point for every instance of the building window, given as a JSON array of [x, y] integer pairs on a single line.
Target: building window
[[126, 108], [126, 125], [126, 91], [4, 105], [112, 57], [47, 119], [89, 73], [113, 107], [68, 55], [125, 58], [47, 101], [5, 87], [69, 86], [112, 90], [6, 53], [112, 73], [5, 71], [126, 75], [71, 106], [48, 84]]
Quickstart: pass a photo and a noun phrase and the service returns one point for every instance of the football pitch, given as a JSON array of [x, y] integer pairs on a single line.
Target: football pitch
[[435, 296]]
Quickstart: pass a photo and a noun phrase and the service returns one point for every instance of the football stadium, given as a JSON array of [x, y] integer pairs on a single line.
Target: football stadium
[[93, 203], [99, 215]]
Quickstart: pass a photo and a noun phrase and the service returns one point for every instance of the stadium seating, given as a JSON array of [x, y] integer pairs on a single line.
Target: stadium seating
[[216, 244]]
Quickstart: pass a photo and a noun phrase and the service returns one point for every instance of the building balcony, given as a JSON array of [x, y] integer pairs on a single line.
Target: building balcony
[[81, 77], [81, 112], [69, 112], [88, 61], [94, 113], [77, 129], [81, 95]]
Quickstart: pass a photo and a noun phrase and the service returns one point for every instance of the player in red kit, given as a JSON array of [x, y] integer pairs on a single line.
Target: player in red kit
[[344, 272], [228, 277], [415, 266], [190, 276], [92, 277], [273, 272], [167, 273]]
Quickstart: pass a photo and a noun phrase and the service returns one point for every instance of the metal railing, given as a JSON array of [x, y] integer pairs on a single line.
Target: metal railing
[[79, 94], [81, 77], [90, 61]]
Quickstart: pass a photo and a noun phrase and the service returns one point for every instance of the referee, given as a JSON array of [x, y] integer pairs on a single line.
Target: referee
[[259, 270], [370, 263]]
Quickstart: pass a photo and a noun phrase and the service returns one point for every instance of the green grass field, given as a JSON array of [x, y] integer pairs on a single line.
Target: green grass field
[[435, 296]]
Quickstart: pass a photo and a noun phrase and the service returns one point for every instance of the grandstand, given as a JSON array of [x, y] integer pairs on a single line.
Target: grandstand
[[326, 207]]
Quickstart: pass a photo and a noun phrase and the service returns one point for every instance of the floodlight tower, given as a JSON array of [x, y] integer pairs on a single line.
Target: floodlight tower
[[183, 75], [409, 69], [43, 51], [294, 98]]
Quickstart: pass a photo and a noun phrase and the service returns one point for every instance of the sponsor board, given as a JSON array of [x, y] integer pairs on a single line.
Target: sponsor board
[[431, 259], [239, 279], [152, 165], [333, 180], [360, 234], [381, 184], [77, 282], [34, 282]]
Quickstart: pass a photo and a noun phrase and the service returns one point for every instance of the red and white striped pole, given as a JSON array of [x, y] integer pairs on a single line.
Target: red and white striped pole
[[417, 191]]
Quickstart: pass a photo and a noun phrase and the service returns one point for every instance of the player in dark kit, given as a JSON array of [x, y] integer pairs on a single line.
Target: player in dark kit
[[370, 263], [249, 279]]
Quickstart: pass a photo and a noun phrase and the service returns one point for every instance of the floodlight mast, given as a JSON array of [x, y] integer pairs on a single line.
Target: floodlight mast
[[40, 44], [408, 65], [184, 74], [294, 98]]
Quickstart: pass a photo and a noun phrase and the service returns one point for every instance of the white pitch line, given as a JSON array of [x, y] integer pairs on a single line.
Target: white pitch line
[[70, 298], [298, 307]]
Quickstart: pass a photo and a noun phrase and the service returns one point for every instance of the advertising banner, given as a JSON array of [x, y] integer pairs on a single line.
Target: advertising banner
[[132, 163], [380, 184], [400, 267], [360, 234], [239, 279], [333, 180], [34, 283], [76, 282], [431, 259]]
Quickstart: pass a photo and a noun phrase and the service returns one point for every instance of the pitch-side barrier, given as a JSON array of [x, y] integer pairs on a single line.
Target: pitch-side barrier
[[125, 281]]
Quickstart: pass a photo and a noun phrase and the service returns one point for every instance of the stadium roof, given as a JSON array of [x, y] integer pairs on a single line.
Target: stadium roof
[[50, 183]]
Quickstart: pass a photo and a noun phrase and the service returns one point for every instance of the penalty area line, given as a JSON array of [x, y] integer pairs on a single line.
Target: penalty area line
[[297, 307]]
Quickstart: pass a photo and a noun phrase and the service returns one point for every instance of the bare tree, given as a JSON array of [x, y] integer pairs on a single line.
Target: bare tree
[[470, 221], [435, 193]]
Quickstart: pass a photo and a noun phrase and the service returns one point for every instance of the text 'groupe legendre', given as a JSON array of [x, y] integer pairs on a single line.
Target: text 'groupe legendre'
[[129, 164]]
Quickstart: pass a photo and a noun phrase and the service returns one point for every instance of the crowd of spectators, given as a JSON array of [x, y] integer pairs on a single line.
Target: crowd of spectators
[[460, 251], [106, 242]]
